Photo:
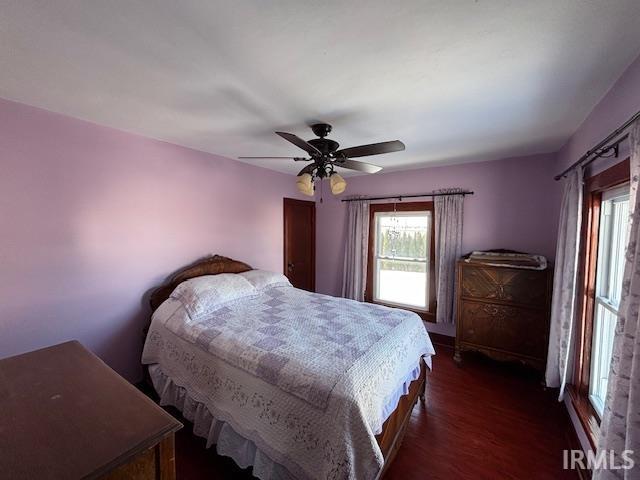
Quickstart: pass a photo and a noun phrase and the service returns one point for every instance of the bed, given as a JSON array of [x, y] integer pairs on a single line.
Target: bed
[[295, 384]]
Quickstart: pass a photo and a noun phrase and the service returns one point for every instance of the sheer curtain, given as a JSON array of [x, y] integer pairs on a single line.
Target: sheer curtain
[[354, 273], [564, 300], [620, 427], [448, 213]]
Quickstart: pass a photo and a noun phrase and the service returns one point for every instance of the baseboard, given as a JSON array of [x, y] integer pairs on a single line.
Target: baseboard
[[574, 444], [444, 340]]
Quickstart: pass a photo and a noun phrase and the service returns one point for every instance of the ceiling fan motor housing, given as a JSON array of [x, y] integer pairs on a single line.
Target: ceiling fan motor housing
[[321, 129], [325, 145]]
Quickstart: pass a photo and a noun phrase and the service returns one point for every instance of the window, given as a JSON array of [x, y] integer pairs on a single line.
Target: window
[[605, 225], [612, 241], [400, 270]]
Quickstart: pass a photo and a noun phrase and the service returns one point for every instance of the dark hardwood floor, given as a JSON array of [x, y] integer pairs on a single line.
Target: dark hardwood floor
[[483, 420]]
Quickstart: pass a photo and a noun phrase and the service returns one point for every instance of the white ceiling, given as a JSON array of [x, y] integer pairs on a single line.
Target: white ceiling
[[455, 80]]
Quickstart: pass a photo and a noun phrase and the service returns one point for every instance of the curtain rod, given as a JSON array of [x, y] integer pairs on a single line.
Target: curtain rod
[[600, 148], [414, 195]]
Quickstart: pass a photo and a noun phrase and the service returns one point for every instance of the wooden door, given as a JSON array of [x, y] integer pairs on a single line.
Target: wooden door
[[300, 243]]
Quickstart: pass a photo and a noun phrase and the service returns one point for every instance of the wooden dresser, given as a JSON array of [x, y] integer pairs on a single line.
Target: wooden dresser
[[67, 415], [503, 312]]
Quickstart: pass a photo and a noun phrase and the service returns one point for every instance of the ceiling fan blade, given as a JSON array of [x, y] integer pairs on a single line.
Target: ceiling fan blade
[[308, 169], [371, 149], [298, 142], [297, 159], [359, 166]]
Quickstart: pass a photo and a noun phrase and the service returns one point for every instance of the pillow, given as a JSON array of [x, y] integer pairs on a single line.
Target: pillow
[[262, 279], [202, 295]]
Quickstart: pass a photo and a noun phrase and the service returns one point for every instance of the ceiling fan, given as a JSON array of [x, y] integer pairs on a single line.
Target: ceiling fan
[[325, 156]]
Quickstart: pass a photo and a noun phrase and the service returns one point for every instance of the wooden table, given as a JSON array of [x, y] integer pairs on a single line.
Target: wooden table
[[64, 414]]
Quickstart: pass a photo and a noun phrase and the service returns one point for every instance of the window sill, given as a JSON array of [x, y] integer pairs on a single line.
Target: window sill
[[426, 316], [586, 413]]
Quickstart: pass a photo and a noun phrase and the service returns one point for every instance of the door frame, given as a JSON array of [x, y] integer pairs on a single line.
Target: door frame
[[292, 202]]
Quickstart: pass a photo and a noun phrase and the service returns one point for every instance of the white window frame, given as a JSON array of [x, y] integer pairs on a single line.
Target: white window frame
[[376, 257], [607, 292]]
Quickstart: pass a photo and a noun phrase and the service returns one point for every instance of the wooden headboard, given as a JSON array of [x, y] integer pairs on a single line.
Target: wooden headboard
[[212, 265]]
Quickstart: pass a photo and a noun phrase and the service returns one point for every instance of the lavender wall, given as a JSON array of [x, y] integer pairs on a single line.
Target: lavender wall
[[515, 206], [92, 217]]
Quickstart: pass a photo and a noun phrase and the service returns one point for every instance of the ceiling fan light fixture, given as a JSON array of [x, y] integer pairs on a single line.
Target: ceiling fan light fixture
[[305, 184], [338, 184]]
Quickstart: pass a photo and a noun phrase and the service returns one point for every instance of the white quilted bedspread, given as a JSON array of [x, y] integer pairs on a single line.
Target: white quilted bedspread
[[304, 376]]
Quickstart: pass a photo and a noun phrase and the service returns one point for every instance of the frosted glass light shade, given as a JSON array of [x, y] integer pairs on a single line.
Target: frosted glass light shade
[[338, 184], [305, 184]]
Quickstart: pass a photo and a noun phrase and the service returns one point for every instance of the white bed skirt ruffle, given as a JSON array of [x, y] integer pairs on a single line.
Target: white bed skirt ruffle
[[227, 441]]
